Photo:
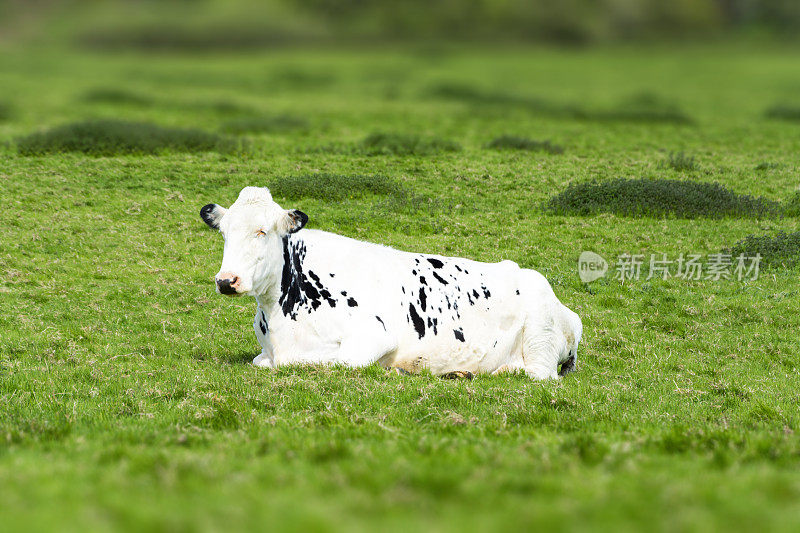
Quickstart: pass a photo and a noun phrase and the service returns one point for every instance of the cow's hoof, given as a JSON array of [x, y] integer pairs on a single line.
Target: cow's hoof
[[400, 371], [263, 361], [567, 366], [458, 374]]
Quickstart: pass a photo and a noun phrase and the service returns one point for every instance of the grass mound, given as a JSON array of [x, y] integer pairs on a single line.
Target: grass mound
[[335, 186], [680, 161], [472, 95], [792, 207], [108, 95], [784, 112], [781, 249], [111, 137], [222, 107], [654, 116], [398, 144], [658, 198], [511, 142], [644, 108], [181, 38], [265, 124], [300, 78], [5, 111]]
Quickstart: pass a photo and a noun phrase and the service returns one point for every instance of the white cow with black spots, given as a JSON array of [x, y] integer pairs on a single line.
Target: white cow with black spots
[[324, 298]]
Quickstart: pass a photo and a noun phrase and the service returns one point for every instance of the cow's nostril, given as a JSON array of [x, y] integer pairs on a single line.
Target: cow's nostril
[[227, 285]]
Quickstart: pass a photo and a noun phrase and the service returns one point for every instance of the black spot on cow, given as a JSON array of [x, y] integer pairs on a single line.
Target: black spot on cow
[[419, 324], [381, 321], [433, 324], [263, 327], [435, 262], [459, 334], [403, 289], [439, 278], [453, 304], [458, 268], [344, 293], [414, 272], [352, 302], [332, 275], [291, 296], [517, 292], [486, 293], [327, 295], [475, 294], [422, 298], [422, 280], [296, 289]]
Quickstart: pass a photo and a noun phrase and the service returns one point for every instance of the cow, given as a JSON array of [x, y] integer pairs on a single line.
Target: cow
[[323, 298]]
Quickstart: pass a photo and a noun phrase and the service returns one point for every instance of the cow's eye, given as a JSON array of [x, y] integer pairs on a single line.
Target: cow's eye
[[260, 233]]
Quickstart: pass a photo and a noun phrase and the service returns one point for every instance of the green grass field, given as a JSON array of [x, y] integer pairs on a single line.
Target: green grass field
[[126, 395]]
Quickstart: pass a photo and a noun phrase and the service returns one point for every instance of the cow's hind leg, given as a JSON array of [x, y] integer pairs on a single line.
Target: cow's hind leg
[[458, 374], [568, 365]]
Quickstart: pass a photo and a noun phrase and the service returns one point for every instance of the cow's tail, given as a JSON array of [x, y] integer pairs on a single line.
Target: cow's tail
[[573, 332]]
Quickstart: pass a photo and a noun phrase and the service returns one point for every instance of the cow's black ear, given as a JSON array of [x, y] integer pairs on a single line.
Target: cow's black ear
[[297, 220], [211, 214]]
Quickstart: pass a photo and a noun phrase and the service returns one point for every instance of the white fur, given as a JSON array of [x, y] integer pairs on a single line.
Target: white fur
[[514, 323]]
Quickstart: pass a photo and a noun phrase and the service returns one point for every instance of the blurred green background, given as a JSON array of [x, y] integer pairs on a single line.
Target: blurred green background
[[238, 24], [126, 395]]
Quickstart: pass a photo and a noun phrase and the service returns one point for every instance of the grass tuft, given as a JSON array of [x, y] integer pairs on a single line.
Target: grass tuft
[[109, 95], [112, 137], [680, 161], [659, 198], [265, 124], [335, 186], [405, 145], [781, 249], [792, 207], [511, 142], [783, 112], [766, 165]]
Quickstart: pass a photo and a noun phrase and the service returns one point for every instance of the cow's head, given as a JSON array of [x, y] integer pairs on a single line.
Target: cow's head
[[253, 228]]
